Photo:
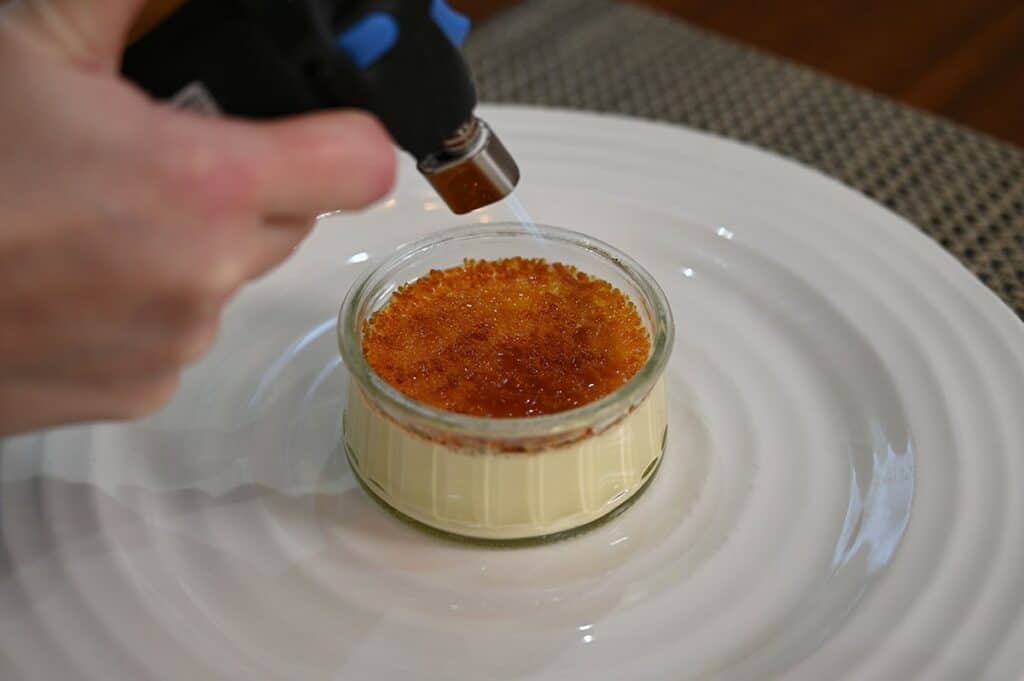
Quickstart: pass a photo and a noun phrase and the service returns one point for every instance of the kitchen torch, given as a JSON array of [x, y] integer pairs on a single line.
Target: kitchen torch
[[398, 59]]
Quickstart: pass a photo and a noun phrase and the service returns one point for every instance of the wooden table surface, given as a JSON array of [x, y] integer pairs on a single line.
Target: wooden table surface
[[961, 59]]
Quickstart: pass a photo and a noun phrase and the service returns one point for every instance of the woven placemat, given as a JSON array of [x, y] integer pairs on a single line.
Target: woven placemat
[[964, 189]]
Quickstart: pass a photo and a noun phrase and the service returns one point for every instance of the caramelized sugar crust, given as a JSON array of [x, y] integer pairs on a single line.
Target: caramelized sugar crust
[[506, 338]]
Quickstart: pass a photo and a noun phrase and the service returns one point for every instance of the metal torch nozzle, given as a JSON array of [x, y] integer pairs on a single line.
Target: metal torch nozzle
[[472, 170]]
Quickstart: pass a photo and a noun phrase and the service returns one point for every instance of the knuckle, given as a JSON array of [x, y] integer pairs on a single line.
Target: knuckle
[[206, 179], [220, 277], [176, 309], [180, 164], [191, 345], [147, 397], [207, 292], [177, 350], [198, 295]]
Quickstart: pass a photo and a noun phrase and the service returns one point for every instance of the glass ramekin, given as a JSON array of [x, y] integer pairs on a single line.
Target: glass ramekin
[[505, 478]]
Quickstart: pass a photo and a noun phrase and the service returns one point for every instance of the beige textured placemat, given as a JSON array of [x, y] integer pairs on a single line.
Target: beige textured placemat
[[964, 189]]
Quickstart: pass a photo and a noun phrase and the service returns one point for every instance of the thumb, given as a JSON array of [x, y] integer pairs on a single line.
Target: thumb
[[92, 32], [300, 166]]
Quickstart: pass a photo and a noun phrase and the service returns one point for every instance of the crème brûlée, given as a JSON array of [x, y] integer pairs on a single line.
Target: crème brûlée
[[514, 338]]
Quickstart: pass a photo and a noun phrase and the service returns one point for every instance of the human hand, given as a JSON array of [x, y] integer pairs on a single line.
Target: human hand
[[126, 225]]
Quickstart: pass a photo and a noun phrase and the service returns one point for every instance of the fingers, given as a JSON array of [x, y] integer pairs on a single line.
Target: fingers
[[324, 162], [265, 181], [275, 242], [301, 166], [31, 405]]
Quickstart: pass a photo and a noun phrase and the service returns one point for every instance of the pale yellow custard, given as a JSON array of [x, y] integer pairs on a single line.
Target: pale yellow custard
[[496, 495]]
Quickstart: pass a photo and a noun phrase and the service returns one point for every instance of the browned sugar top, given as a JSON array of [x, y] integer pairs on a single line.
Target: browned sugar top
[[506, 338]]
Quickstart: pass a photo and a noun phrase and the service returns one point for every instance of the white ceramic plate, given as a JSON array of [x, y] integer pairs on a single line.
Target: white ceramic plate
[[842, 495]]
